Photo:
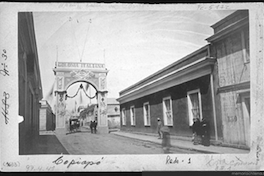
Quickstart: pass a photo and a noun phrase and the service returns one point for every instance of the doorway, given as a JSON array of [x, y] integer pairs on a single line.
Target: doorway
[[245, 103]]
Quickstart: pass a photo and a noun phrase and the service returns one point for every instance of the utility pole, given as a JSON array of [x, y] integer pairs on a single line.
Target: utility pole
[[56, 64]]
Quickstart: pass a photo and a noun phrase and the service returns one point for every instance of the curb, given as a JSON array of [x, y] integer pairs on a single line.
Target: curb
[[175, 146]]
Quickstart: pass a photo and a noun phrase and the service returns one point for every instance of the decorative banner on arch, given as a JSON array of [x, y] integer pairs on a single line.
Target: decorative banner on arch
[[80, 65]]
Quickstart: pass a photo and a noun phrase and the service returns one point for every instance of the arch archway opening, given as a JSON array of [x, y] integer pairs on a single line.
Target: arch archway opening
[[81, 93], [81, 87], [80, 97], [81, 82]]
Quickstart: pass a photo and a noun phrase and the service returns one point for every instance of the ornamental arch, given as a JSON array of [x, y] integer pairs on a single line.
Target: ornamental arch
[[81, 80], [68, 73]]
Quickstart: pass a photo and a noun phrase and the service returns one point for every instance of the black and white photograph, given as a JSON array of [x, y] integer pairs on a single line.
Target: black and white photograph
[[95, 83]]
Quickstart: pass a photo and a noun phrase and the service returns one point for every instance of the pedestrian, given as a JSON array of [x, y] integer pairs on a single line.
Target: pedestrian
[[95, 125], [205, 133], [159, 127], [77, 125], [196, 129], [91, 126], [70, 125], [166, 143]]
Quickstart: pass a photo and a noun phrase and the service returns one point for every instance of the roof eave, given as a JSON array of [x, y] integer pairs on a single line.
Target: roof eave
[[227, 31], [202, 49], [203, 67]]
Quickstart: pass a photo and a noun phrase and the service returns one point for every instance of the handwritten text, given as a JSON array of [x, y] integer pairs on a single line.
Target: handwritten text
[[61, 161], [5, 106], [259, 142], [225, 164], [39, 168], [175, 160], [213, 7], [11, 164], [4, 71]]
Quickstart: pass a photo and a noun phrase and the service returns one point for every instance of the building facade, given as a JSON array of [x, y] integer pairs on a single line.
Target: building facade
[[176, 94], [230, 47], [211, 83], [89, 114], [30, 87], [113, 113], [47, 121]]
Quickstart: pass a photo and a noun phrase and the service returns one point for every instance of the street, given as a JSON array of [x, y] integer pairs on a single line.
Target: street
[[85, 143]]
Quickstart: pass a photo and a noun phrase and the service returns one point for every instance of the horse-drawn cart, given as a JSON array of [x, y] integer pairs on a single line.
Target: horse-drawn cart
[[74, 125]]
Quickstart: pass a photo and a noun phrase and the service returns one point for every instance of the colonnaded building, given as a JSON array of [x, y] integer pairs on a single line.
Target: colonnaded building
[[212, 83]]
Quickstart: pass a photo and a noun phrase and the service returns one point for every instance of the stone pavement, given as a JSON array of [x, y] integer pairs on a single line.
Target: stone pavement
[[182, 144]]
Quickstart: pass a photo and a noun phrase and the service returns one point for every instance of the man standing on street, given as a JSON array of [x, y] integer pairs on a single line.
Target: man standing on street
[[159, 127], [166, 144], [91, 126], [95, 125]]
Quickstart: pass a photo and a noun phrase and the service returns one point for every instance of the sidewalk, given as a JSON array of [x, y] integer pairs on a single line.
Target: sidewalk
[[46, 143], [182, 144]]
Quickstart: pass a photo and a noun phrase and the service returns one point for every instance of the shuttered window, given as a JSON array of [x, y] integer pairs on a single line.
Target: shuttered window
[[146, 112], [194, 105], [167, 111]]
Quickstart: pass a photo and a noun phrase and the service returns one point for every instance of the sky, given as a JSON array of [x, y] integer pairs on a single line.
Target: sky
[[132, 44]]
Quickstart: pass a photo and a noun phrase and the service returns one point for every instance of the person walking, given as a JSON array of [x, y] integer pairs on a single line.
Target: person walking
[[205, 132], [196, 129], [91, 126], [159, 127], [95, 125], [70, 125], [166, 143]]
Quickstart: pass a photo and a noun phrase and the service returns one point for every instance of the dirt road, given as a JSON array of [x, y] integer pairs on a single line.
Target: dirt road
[[84, 142]]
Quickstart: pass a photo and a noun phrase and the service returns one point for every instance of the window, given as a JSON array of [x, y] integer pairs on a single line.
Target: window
[[123, 116], [194, 105], [167, 111], [132, 115], [146, 112], [245, 45]]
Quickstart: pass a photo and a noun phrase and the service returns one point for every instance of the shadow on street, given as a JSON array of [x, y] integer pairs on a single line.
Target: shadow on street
[[46, 144]]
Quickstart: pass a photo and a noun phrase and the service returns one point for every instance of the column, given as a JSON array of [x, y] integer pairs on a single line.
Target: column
[[60, 101], [60, 109], [102, 105]]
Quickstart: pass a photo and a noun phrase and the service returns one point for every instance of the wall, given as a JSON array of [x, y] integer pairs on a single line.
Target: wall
[[217, 103], [229, 54], [233, 77], [179, 107], [30, 88], [42, 119], [50, 126], [113, 122], [113, 116], [113, 110]]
